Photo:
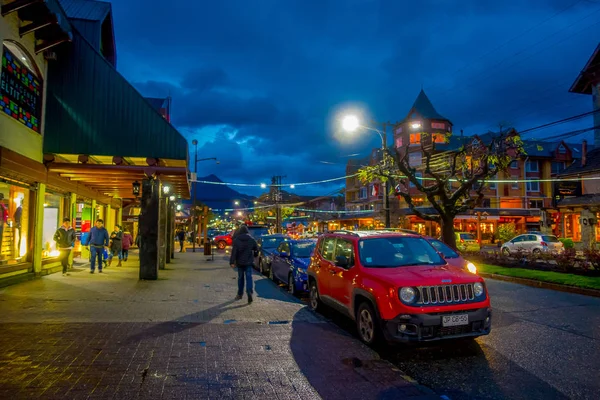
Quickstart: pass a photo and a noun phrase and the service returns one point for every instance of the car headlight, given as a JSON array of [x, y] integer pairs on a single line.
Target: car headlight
[[408, 294], [471, 268], [478, 289]]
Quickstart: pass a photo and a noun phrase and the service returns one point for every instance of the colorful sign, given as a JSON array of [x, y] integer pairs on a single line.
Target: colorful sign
[[20, 92]]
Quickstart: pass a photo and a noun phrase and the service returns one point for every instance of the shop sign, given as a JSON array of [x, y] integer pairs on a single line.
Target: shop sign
[[130, 218], [564, 189], [20, 92]]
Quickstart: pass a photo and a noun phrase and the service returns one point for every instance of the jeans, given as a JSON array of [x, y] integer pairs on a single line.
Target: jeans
[[111, 254], [96, 251], [64, 259], [125, 253], [181, 245], [247, 271]]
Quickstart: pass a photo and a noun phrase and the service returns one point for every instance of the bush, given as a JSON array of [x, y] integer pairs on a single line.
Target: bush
[[566, 260], [507, 232], [567, 242]]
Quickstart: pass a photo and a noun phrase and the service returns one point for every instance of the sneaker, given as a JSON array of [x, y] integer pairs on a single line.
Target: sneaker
[[100, 271], [91, 272], [238, 297], [249, 298]]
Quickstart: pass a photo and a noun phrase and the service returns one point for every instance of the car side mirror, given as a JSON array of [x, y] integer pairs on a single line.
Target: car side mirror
[[342, 262]]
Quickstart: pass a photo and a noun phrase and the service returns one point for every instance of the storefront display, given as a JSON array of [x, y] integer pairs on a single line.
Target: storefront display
[[53, 214], [14, 223]]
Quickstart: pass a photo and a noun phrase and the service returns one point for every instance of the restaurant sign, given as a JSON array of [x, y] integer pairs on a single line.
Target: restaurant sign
[[20, 92], [564, 189]]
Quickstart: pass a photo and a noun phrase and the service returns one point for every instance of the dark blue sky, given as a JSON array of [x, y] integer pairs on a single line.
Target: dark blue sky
[[259, 83]]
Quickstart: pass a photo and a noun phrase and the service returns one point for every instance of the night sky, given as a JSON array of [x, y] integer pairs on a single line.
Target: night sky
[[259, 83]]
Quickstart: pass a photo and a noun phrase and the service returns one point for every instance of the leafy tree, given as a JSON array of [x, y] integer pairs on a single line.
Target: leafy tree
[[453, 180], [286, 212], [506, 232]]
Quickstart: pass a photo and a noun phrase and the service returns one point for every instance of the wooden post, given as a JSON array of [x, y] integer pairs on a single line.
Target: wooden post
[[207, 245], [479, 228]]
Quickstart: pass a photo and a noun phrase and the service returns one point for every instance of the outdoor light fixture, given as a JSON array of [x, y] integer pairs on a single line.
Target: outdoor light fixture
[[263, 185], [237, 203], [415, 125], [172, 198], [292, 186], [166, 189], [350, 123], [178, 207], [136, 188], [239, 213]]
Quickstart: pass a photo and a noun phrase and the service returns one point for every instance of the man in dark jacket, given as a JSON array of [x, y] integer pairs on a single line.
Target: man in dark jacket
[[98, 238], [64, 238], [242, 256], [181, 238]]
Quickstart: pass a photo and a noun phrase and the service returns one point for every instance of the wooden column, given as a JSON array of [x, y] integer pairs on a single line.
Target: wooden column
[[148, 225], [162, 230], [38, 228]]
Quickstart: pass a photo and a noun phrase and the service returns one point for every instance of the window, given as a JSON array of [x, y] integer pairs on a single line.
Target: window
[[346, 249], [562, 149], [303, 249], [284, 248], [415, 138], [397, 251], [438, 125], [492, 185], [515, 185], [53, 215], [532, 166], [327, 248], [20, 87], [418, 175], [558, 167], [14, 221], [533, 186], [487, 203], [415, 159], [362, 193], [444, 249], [536, 203], [399, 129], [399, 142], [439, 138], [514, 164]]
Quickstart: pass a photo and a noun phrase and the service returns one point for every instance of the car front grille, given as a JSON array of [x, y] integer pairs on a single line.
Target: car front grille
[[455, 330], [445, 294]]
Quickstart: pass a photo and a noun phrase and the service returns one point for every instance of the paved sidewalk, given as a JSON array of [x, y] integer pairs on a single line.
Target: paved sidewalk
[[112, 336]]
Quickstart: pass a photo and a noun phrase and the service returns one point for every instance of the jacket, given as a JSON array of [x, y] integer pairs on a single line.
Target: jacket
[[97, 237], [181, 235], [244, 250], [116, 241], [64, 238], [127, 241]]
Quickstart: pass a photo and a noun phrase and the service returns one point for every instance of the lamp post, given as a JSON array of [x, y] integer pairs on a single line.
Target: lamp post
[[351, 123], [193, 212]]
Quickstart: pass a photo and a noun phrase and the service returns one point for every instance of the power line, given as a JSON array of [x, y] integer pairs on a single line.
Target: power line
[[560, 121]]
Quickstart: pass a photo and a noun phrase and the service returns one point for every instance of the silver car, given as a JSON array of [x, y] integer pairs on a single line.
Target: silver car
[[535, 243]]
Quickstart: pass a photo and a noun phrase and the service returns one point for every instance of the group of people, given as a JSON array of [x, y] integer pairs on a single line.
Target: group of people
[[99, 241]]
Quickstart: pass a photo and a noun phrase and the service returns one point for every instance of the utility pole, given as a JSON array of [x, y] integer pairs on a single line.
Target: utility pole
[[386, 199], [277, 196]]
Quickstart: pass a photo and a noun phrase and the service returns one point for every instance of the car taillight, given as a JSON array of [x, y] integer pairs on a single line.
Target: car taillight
[[544, 244], [462, 240]]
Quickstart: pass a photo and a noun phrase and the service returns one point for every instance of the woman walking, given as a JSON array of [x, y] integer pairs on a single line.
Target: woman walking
[[116, 245], [126, 242]]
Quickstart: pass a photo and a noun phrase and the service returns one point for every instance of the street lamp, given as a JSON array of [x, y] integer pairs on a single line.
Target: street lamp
[[351, 123], [136, 188], [193, 211], [166, 189], [237, 203], [172, 198], [292, 186], [263, 185]]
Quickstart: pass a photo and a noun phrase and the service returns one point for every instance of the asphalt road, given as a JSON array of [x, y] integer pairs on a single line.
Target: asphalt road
[[544, 345]]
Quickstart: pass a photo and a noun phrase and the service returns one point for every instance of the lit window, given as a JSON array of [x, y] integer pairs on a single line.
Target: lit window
[[399, 142], [438, 125], [415, 138], [439, 138]]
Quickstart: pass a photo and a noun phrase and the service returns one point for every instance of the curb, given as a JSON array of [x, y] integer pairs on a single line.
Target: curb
[[543, 285]]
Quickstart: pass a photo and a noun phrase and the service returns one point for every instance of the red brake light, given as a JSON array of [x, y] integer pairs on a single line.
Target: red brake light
[[544, 244], [462, 240]]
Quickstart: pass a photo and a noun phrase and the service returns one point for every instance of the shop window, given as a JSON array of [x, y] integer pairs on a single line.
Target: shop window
[[53, 215], [14, 223], [532, 166], [415, 138], [533, 186], [20, 87]]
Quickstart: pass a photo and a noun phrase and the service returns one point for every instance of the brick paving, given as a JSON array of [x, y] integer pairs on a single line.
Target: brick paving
[[111, 336]]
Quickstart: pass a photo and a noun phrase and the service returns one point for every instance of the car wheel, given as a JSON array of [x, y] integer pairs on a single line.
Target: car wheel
[[291, 285], [261, 267], [367, 323], [221, 244], [537, 252], [314, 299], [271, 275], [505, 251]]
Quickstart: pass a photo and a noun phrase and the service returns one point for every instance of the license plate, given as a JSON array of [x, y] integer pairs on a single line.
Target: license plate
[[455, 320]]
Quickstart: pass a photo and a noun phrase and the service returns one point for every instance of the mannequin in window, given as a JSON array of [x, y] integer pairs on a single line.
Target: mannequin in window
[[3, 220], [17, 216]]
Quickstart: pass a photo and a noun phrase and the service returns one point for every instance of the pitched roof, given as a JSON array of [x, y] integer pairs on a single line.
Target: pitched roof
[[90, 10], [423, 107], [583, 83], [592, 164]]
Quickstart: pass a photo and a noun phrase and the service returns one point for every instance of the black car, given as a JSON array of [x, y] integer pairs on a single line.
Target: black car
[[267, 246]]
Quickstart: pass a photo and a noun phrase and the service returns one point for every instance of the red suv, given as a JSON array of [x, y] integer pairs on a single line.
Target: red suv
[[397, 287]]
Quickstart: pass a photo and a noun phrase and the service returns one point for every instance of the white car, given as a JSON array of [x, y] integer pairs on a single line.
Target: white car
[[534, 243]]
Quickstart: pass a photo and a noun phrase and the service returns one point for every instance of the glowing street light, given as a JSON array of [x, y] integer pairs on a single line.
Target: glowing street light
[[292, 186], [263, 185], [166, 189], [237, 203], [172, 198], [239, 213], [415, 125], [350, 123]]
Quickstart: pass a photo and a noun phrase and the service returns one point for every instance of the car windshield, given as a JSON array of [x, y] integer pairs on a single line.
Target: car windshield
[[467, 236], [271, 242], [303, 250], [550, 239], [390, 252], [258, 232], [444, 249]]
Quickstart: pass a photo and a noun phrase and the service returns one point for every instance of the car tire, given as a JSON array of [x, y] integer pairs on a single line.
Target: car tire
[[261, 267], [271, 275], [291, 285], [221, 244], [314, 302], [367, 324], [537, 253]]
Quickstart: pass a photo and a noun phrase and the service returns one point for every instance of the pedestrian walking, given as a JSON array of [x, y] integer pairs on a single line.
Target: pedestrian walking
[[127, 243], [116, 245], [181, 238], [98, 239], [244, 250], [65, 239]]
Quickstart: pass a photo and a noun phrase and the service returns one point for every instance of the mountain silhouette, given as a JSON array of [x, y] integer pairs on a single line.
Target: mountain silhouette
[[218, 196]]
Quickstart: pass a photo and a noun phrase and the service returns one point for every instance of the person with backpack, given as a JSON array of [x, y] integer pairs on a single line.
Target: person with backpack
[[65, 239], [244, 250]]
